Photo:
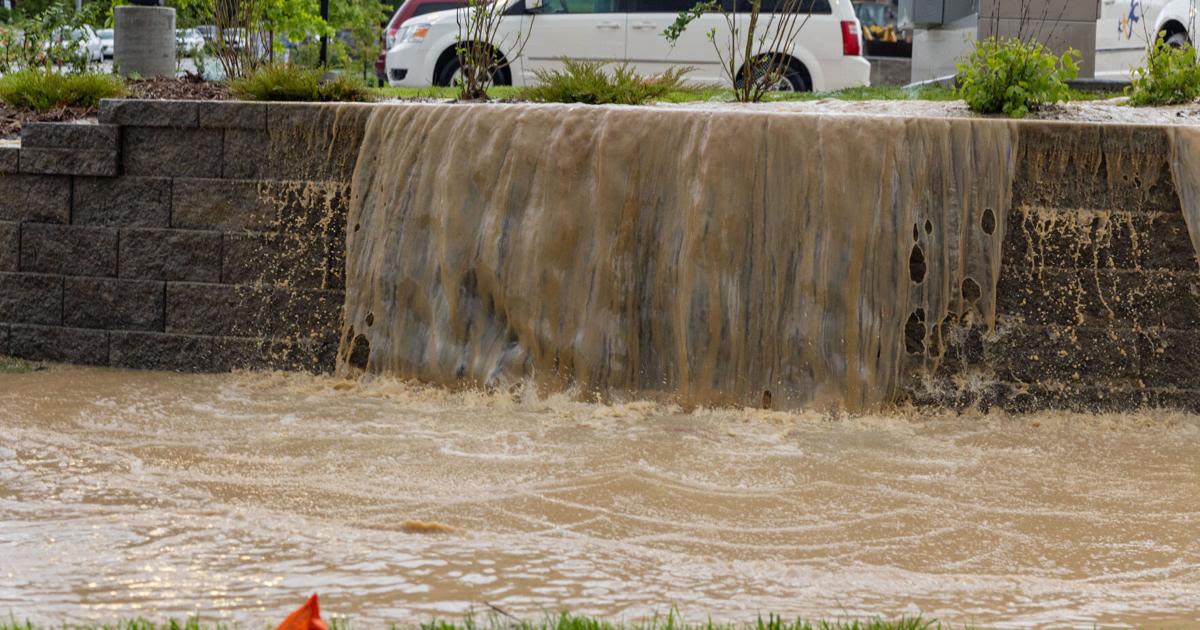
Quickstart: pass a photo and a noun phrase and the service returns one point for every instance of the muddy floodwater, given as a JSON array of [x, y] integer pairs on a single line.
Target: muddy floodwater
[[233, 496]]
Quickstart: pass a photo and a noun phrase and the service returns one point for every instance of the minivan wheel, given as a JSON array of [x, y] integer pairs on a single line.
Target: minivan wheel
[[451, 75], [791, 81], [1176, 40]]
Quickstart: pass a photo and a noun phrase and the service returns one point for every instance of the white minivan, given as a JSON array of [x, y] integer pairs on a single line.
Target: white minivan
[[827, 54], [1127, 27]]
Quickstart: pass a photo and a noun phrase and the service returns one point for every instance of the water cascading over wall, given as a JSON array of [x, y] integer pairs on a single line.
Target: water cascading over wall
[[710, 257]]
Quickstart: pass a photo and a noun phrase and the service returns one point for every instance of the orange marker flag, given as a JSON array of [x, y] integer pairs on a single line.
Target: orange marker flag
[[306, 617]]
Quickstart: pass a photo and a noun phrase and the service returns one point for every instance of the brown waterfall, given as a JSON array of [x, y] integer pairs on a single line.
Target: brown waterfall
[[1185, 163], [708, 256]]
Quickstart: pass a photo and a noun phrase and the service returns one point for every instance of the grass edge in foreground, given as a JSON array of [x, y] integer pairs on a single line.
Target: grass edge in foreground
[[562, 621], [13, 365]]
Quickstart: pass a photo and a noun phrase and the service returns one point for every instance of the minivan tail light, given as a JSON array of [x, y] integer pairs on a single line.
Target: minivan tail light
[[851, 41]]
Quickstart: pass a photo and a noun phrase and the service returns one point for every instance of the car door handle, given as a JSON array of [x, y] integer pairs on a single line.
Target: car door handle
[[609, 25], [643, 25]]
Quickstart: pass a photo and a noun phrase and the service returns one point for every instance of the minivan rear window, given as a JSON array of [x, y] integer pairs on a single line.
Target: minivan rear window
[[820, 7]]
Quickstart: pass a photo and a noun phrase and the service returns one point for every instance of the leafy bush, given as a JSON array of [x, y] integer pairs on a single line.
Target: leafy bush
[[293, 83], [587, 82], [1014, 77], [44, 89], [1171, 76]]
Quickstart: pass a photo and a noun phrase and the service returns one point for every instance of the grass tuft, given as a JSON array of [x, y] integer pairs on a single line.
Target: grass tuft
[[588, 82], [672, 621], [283, 82], [13, 365], [42, 90]]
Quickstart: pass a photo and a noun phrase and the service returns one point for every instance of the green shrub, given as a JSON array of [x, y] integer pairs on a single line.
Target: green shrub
[[1171, 76], [293, 83], [1014, 77], [278, 83], [587, 82], [42, 89], [344, 87]]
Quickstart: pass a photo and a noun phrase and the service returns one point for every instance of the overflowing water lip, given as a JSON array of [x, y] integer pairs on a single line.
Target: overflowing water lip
[[231, 496]]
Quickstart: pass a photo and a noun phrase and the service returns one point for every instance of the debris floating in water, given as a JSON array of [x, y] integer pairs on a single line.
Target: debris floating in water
[[427, 527]]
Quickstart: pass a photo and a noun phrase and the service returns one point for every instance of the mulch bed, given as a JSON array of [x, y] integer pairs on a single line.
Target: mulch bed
[[183, 88], [12, 118]]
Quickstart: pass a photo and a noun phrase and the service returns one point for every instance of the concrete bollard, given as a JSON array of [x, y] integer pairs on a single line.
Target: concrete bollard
[[144, 40]]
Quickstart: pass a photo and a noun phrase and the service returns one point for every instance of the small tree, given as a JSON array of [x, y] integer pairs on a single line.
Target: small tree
[[239, 36], [1017, 74], [1014, 77], [754, 60], [480, 60], [1171, 76]]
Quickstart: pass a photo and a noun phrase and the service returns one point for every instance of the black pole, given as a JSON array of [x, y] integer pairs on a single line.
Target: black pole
[[325, 38]]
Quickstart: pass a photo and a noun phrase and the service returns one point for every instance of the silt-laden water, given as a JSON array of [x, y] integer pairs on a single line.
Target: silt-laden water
[[234, 496]]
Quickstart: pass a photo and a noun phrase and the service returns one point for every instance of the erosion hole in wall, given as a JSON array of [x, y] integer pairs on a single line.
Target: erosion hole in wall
[[928, 226], [971, 292], [988, 221], [916, 233], [916, 264], [370, 319], [914, 332], [766, 399], [360, 352]]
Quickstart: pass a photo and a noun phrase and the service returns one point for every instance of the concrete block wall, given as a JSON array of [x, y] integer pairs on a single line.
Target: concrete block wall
[[210, 236], [200, 236], [1059, 24], [1098, 303]]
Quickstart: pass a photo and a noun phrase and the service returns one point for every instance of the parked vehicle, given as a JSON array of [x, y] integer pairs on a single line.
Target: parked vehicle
[[106, 42], [885, 32], [827, 54], [82, 41], [207, 31], [189, 41], [1127, 28], [406, 11]]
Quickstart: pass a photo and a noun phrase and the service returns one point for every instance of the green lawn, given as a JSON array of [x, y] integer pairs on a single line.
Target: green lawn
[[873, 93], [551, 622], [700, 94]]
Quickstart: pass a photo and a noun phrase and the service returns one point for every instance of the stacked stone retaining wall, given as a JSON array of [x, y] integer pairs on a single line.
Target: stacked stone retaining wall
[[200, 236], [207, 236]]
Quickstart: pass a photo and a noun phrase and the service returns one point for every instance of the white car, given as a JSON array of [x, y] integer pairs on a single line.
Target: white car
[[189, 41], [827, 54], [1127, 27], [82, 39], [106, 42]]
